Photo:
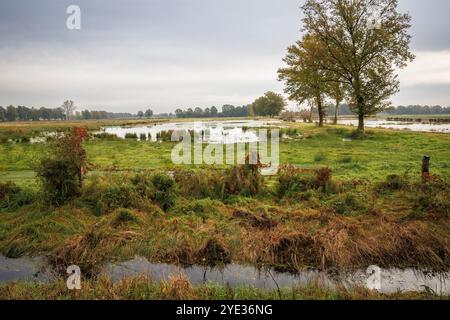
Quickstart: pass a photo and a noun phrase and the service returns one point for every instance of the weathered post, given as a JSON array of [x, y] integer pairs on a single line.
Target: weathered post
[[426, 167]]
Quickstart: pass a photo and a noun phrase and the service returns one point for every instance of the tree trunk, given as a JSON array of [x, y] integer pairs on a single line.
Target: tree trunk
[[336, 113], [361, 123], [321, 113]]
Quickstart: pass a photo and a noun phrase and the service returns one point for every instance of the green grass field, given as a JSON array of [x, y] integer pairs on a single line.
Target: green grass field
[[381, 153], [373, 209]]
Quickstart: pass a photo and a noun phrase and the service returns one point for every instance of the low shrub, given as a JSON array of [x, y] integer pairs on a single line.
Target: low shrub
[[12, 197], [244, 180], [131, 136], [292, 180], [433, 199], [124, 216], [204, 208], [393, 182], [319, 157], [165, 190], [60, 180], [105, 136], [349, 203], [7, 189]]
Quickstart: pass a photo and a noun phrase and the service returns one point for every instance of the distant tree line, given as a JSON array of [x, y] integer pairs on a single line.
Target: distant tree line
[[23, 113], [417, 109], [227, 111]]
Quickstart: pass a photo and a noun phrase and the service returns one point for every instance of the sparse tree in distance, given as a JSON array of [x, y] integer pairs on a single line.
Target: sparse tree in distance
[[365, 42], [149, 113], [140, 114], [271, 104], [69, 107], [337, 93], [11, 113], [2, 114]]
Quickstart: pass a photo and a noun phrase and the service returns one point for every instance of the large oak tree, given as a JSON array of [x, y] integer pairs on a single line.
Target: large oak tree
[[365, 41]]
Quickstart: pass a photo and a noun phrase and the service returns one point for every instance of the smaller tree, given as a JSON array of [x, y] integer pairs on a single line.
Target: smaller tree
[[336, 92], [2, 114], [140, 114], [68, 107], [11, 113], [305, 81], [271, 104], [62, 172], [149, 113]]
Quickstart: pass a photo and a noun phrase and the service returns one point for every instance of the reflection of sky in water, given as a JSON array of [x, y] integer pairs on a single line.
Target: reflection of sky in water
[[392, 280], [226, 132], [400, 125]]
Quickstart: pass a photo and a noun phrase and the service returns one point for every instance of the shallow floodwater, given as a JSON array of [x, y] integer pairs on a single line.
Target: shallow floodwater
[[235, 275], [215, 131], [400, 125], [24, 269]]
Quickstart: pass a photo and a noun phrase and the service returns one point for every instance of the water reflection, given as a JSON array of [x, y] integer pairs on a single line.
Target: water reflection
[[216, 132], [235, 275]]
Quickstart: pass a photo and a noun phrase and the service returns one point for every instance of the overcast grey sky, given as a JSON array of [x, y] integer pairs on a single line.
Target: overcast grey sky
[[164, 54]]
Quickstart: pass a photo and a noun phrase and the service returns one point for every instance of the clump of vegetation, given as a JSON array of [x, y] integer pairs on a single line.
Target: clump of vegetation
[[124, 216], [164, 136], [204, 208], [244, 180], [433, 201], [165, 190], [349, 203], [254, 221], [62, 173], [129, 135], [213, 253], [292, 180], [7, 190], [105, 136], [200, 183], [319, 157], [394, 182]]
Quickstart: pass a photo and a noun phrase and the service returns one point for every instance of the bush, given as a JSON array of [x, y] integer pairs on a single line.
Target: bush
[[124, 216], [105, 136], [7, 189], [292, 180], [165, 190], [349, 203], [433, 200], [62, 173], [131, 136], [12, 197], [200, 183], [60, 180], [244, 180], [319, 157], [393, 182], [204, 208]]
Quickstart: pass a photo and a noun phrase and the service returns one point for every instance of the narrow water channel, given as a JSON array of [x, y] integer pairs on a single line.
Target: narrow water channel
[[235, 275]]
